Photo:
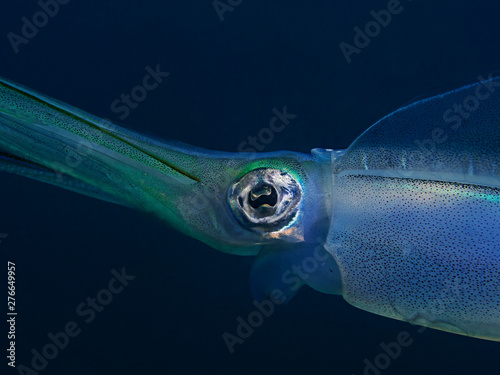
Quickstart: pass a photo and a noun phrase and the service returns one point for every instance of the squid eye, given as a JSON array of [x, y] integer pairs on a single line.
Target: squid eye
[[265, 200], [261, 195]]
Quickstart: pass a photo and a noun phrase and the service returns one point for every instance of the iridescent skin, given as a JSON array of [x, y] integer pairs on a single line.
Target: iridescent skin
[[405, 223]]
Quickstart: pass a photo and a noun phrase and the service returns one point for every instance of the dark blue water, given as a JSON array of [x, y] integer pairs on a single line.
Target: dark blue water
[[225, 78]]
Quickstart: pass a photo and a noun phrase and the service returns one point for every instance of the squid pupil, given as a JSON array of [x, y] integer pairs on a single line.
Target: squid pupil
[[262, 195]]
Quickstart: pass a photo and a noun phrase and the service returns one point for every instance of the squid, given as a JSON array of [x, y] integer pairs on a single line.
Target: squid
[[404, 223]]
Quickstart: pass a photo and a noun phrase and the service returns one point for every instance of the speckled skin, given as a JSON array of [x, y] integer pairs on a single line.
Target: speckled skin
[[415, 226], [185, 186], [410, 213], [420, 251]]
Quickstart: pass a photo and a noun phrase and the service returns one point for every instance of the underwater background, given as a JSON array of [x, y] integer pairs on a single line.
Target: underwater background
[[230, 63]]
